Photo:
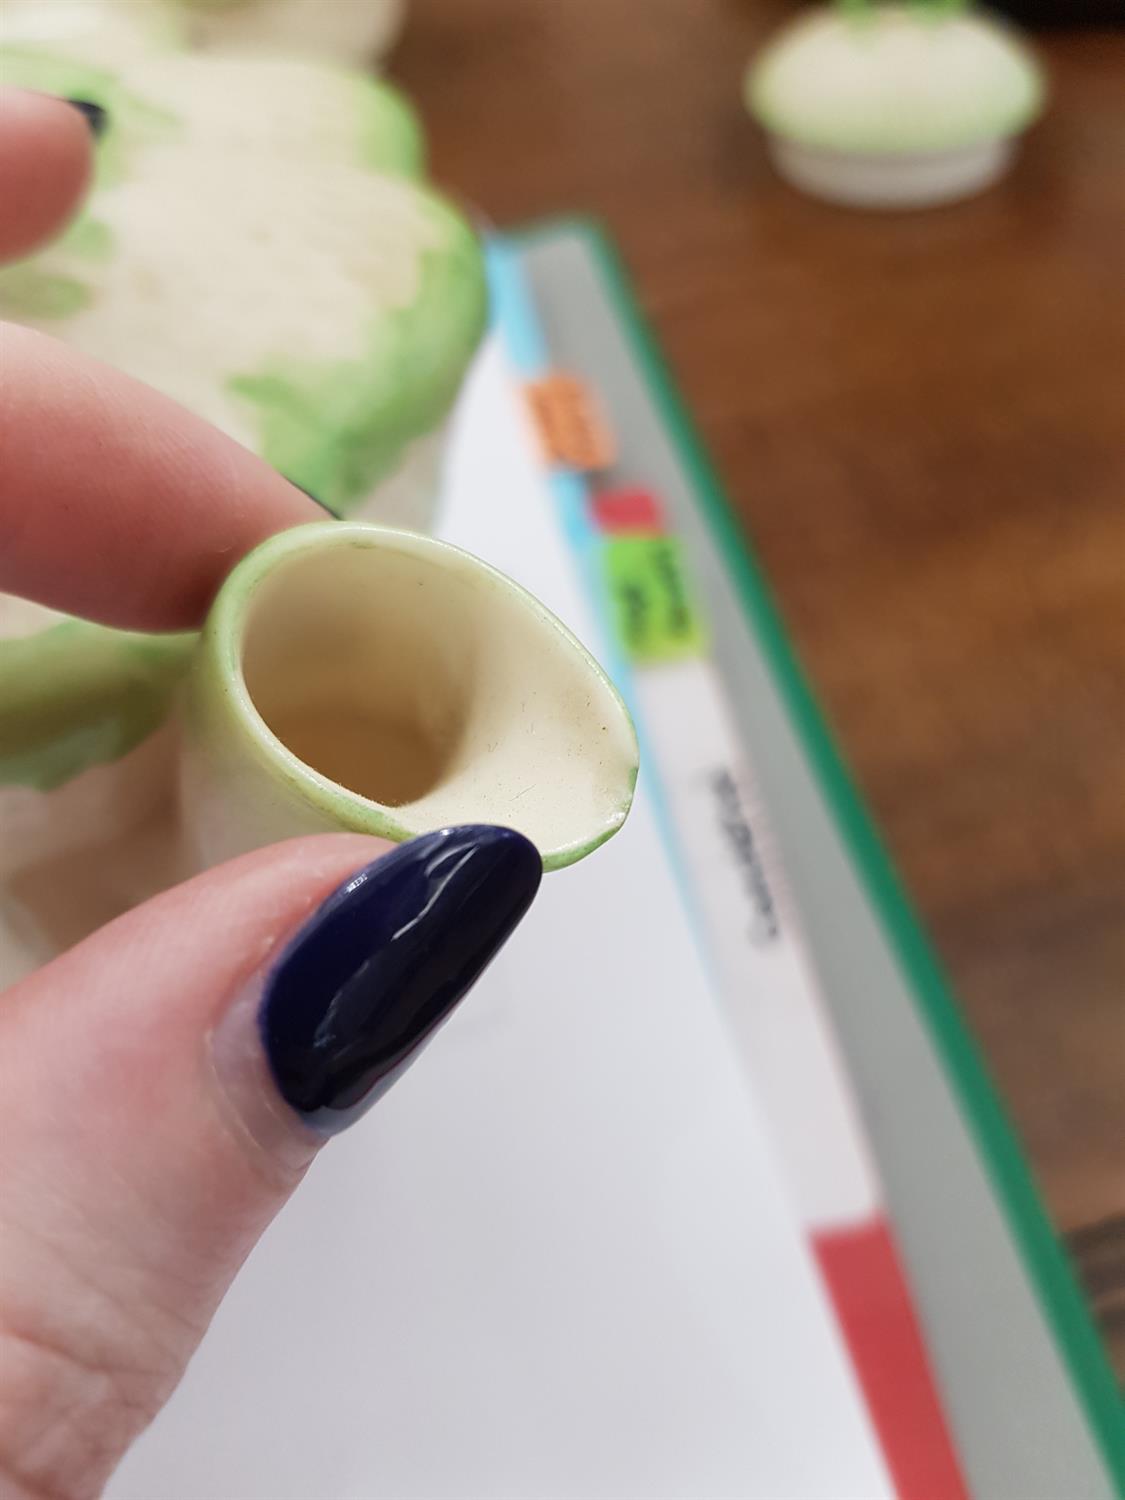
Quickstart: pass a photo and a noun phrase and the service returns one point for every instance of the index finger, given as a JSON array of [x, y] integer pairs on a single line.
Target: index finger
[[45, 165], [115, 502]]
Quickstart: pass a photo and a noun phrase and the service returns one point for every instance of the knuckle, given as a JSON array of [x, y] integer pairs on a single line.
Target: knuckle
[[65, 1418]]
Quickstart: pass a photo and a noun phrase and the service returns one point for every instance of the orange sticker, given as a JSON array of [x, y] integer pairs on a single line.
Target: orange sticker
[[571, 425]]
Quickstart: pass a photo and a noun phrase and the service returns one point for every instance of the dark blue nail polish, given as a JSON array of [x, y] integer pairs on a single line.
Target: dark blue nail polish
[[375, 971], [96, 115]]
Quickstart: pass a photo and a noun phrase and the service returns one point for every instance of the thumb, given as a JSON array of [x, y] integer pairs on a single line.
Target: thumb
[[166, 1083]]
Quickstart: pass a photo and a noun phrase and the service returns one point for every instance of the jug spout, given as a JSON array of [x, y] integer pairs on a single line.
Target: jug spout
[[353, 677], [348, 677]]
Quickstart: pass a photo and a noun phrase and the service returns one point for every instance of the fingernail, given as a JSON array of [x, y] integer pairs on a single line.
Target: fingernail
[[96, 115], [361, 988]]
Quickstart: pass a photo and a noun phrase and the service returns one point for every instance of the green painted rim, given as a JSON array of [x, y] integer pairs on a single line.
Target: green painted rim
[[221, 650], [1063, 1307]]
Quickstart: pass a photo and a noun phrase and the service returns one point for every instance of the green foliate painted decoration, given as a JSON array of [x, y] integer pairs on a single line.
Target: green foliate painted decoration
[[138, 118], [54, 289], [28, 294], [283, 107], [258, 247], [280, 106], [321, 315], [314, 417], [80, 695], [923, 9], [895, 78], [894, 104], [390, 134], [88, 238]]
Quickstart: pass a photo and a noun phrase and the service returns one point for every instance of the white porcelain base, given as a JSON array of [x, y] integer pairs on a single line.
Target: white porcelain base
[[920, 180]]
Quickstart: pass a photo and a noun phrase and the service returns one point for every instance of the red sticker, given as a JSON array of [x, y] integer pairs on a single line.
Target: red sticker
[[633, 512], [872, 1300]]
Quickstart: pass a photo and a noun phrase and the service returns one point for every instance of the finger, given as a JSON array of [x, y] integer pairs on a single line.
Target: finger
[[45, 164], [115, 502], [166, 1083]]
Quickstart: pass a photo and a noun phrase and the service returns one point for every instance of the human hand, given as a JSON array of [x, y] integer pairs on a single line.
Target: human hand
[[166, 1083]]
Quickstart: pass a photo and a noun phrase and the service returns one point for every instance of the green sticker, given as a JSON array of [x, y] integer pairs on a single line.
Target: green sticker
[[653, 610]]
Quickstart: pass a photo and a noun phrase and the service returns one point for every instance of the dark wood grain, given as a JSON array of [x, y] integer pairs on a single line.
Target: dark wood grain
[[921, 422]]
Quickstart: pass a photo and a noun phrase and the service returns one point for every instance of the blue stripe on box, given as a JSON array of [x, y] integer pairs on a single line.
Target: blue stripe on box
[[515, 317]]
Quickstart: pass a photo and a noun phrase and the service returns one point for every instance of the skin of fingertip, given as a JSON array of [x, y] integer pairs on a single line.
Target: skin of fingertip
[[46, 161]]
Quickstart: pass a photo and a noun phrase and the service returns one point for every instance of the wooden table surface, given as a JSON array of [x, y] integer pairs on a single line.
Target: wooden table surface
[[921, 422]]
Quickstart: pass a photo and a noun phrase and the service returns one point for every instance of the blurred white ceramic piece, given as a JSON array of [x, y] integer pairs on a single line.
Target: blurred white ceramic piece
[[345, 31], [199, 253], [47, 899], [894, 106], [100, 32], [350, 31]]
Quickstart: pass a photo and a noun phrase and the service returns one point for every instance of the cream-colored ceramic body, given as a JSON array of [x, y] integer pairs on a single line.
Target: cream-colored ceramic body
[[348, 677], [921, 179], [353, 677], [359, 32], [894, 105], [74, 857], [350, 31]]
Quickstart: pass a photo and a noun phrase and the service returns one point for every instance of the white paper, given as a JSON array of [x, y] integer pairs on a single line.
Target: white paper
[[557, 1259]]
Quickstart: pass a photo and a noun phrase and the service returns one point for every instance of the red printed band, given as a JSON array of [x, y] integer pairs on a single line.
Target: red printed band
[[864, 1276]]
